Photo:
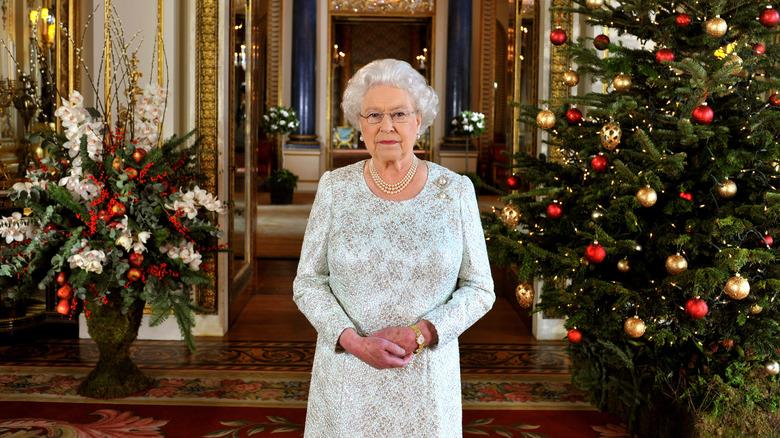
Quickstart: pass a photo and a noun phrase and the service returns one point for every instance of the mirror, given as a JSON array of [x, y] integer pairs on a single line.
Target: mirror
[[242, 138], [357, 41]]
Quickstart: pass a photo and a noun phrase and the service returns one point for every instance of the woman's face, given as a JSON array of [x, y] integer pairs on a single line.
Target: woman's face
[[389, 140]]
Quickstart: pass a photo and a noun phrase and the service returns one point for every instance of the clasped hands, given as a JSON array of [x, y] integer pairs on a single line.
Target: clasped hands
[[391, 347]]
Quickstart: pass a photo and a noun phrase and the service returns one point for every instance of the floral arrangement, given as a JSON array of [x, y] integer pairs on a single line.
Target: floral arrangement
[[280, 120], [113, 214], [468, 124]]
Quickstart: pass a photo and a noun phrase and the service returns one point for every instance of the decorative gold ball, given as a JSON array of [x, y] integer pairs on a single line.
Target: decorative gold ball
[[622, 82], [623, 265], [610, 135], [727, 189], [717, 27], [634, 327], [525, 295], [545, 119], [510, 215], [756, 309], [594, 4], [646, 196], [737, 287], [736, 61], [772, 368], [571, 78], [676, 264]]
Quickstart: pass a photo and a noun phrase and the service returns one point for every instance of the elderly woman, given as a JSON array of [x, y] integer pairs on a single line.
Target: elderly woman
[[393, 269]]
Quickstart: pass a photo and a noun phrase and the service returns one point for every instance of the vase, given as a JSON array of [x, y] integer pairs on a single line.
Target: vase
[[115, 374]]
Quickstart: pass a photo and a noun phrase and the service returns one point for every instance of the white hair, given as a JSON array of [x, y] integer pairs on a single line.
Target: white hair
[[393, 73]]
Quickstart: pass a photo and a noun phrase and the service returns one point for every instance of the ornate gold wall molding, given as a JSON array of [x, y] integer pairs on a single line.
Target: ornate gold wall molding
[[487, 99], [274, 53], [206, 101], [559, 63], [382, 7]]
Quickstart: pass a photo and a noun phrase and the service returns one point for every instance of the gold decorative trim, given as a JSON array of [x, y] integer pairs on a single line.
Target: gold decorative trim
[[382, 7], [274, 54], [107, 56], [559, 63], [487, 89], [206, 112]]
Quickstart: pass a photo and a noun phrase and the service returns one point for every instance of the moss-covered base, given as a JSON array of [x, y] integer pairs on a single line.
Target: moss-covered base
[[115, 374], [116, 379]]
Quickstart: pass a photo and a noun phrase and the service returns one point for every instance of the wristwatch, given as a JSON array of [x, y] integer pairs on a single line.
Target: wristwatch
[[420, 338]]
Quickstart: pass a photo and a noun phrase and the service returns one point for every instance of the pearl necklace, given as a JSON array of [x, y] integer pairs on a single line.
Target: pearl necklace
[[392, 189]]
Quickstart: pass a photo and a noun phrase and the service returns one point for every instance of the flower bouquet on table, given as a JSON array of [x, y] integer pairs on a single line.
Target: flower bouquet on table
[[468, 124], [280, 120], [116, 220]]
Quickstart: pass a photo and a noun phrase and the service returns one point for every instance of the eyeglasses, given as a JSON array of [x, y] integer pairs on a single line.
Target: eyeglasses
[[395, 116]]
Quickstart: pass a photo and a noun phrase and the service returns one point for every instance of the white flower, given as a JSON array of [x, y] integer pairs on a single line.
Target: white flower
[[88, 260], [125, 242]]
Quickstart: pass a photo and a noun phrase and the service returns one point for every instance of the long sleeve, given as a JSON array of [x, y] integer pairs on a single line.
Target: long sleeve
[[311, 288], [474, 295]]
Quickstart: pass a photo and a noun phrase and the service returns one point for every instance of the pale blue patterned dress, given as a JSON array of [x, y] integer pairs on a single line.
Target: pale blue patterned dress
[[369, 263]]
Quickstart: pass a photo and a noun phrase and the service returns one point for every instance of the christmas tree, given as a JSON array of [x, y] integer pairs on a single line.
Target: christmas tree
[[650, 219]]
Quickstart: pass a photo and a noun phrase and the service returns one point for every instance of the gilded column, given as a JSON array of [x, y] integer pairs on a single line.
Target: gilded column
[[303, 77]]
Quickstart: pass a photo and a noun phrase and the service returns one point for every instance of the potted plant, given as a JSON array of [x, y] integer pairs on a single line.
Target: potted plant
[[280, 121], [117, 221], [281, 184]]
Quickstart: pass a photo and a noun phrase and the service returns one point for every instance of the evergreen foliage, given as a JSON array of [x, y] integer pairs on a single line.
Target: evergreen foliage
[[687, 163]]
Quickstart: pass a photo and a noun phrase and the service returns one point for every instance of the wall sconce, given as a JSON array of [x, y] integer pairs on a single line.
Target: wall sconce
[[421, 59], [338, 56], [239, 58]]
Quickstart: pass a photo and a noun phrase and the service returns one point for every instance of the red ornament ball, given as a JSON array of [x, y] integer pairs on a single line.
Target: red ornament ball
[[774, 99], [758, 49], [558, 37], [683, 20], [574, 335], [554, 211], [696, 308], [513, 182], [601, 42], [664, 55], [599, 163], [702, 115], [769, 17], [573, 116], [769, 240], [595, 253]]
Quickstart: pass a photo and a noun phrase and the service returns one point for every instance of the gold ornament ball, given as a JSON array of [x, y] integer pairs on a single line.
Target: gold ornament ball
[[594, 4], [524, 294], [737, 288], [610, 135], [727, 189], [622, 82], [676, 264], [510, 215], [736, 61], [545, 119], [571, 78], [772, 368], [634, 327], [717, 27], [647, 197], [756, 309], [623, 265]]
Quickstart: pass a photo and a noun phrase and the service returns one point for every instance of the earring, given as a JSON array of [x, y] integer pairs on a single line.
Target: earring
[[361, 137], [419, 135]]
